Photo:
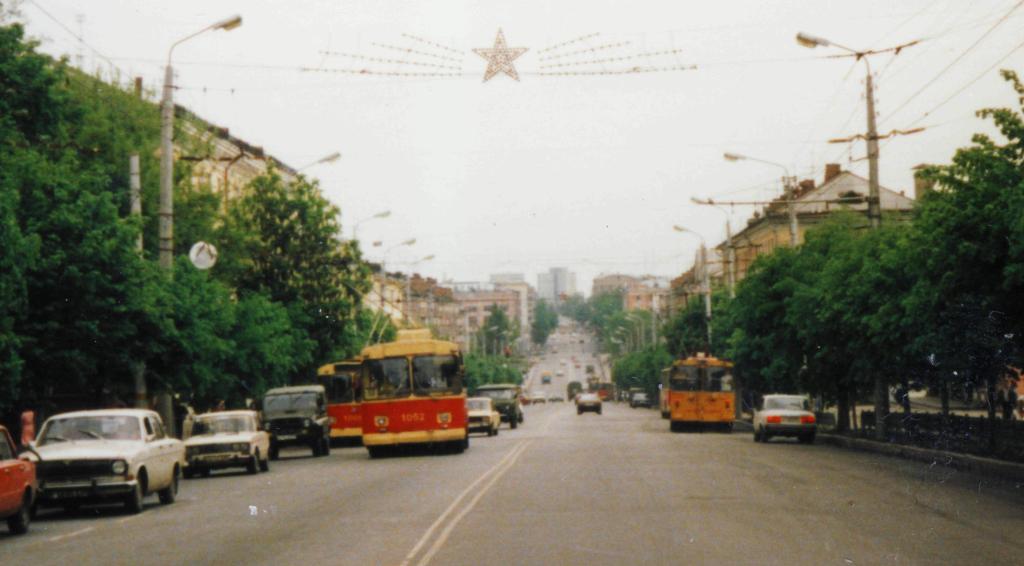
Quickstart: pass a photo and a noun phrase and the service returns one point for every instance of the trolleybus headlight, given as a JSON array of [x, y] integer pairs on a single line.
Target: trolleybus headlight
[[381, 421], [444, 418], [119, 467]]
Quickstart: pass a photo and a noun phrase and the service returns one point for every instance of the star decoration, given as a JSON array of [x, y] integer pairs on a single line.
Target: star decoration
[[500, 57]]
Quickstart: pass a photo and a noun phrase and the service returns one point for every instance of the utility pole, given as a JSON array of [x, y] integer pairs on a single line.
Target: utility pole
[[731, 255], [166, 242], [874, 198], [139, 367], [790, 183], [707, 289]]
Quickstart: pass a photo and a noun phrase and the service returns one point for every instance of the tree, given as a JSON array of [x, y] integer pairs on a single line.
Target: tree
[[545, 320], [285, 244]]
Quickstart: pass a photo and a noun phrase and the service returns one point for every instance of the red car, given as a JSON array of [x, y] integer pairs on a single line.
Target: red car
[[17, 486]]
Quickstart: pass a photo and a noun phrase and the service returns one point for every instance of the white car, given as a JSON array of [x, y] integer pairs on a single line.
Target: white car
[[108, 455], [784, 415], [227, 439], [482, 416]]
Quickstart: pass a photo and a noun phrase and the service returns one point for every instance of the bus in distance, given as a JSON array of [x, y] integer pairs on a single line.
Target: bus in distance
[[342, 382], [701, 393]]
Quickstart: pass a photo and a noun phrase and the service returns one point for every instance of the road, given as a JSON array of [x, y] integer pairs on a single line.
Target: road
[[618, 488]]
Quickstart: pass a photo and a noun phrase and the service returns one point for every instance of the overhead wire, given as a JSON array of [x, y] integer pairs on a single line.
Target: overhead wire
[[71, 32]]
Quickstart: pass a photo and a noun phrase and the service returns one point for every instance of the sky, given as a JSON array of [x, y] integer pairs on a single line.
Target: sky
[[588, 172]]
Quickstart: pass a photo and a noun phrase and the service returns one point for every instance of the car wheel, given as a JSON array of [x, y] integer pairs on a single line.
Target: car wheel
[[326, 449], [18, 523], [579, 412], [757, 435], [513, 423], [206, 472], [520, 418], [375, 451], [189, 473], [496, 429], [253, 467], [265, 464], [133, 502], [274, 453], [170, 493], [765, 437]]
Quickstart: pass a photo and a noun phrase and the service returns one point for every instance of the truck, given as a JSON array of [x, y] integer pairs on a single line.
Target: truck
[[573, 389]]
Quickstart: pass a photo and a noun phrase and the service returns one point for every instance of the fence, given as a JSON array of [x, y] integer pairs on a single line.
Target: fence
[[980, 436]]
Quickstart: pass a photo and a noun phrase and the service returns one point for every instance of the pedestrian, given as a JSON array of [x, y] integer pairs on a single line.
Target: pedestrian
[[28, 427]]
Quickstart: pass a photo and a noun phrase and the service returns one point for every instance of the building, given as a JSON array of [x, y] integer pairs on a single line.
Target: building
[[475, 305], [558, 282], [221, 161], [527, 299], [612, 283], [840, 190], [508, 278], [433, 306], [386, 296], [649, 294]]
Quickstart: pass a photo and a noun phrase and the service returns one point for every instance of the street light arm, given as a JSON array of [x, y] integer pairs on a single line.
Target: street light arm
[[226, 24]]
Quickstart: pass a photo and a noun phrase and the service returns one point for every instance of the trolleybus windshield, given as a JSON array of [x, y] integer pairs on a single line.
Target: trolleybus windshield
[[341, 386], [719, 379], [386, 378], [436, 374], [685, 378]]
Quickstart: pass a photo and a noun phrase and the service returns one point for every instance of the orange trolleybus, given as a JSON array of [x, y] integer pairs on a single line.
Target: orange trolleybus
[[700, 393], [413, 394], [342, 381]]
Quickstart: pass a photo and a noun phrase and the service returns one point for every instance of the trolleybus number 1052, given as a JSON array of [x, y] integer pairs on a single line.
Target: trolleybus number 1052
[[413, 417]]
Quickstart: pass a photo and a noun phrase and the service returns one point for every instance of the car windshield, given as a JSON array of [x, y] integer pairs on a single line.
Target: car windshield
[[498, 394], [386, 378], [478, 404], [436, 374], [789, 403], [106, 427], [223, 425], [289, 402]]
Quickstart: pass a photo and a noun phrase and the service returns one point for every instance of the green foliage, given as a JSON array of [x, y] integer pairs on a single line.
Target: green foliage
[[641, 369], [577, 308], [545, 321], [483, 369], [497, 332]]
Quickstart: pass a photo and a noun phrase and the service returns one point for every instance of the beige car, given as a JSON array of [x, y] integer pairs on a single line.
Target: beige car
[[785, 415], [482, 416], [227, 439], [110, 455]]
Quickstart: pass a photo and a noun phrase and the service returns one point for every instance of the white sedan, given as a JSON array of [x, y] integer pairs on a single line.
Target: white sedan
[[784, 415], [482, 416], [115, 454], [227, 439]]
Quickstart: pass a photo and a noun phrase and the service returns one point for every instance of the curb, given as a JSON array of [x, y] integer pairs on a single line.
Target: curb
[[964, 462]]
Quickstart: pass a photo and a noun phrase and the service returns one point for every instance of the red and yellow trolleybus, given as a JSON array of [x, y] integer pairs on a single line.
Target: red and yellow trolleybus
[[342, 382], [700, 393], [413, 393]]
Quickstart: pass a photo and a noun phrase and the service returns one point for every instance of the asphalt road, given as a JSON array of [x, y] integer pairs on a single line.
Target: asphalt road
[[618, 488]]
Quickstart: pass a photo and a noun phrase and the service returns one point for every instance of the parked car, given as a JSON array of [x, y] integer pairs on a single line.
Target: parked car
[[108, 455], [538, 397], [639, 400], [556, 399], [506, 397], [784, 415], [297, 416], [227, 439], [17, 486], [588, 402], [482, 416], [545, 379]]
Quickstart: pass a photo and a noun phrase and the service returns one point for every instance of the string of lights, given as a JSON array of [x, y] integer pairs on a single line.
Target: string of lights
[[567, 43], [390, 61], [431, 43], [630, 71], [380, 73], [594, 49], [613, 59], [416, 52]]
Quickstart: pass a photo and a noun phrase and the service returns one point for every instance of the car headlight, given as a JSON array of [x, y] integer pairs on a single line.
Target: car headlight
[[119, 467], [307, 423]]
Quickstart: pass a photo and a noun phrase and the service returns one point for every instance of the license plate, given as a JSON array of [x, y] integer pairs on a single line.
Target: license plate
[[71, 494], [791, 420], [287, 437]]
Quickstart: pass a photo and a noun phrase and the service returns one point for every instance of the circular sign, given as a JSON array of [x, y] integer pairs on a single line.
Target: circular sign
[[203, 255]]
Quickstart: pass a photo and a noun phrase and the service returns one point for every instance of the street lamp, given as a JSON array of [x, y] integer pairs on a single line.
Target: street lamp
[[408, 285], [355, 227], [790, 189], [731, 258], [874, 206], [706, 277], [167, 146], [322, 161]]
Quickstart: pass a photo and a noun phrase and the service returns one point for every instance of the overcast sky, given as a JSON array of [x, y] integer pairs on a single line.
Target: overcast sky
[[586, 172]]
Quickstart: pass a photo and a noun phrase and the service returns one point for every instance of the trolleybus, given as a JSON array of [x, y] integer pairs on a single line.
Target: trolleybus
[[342, 382], [413, 394], [701, 393]]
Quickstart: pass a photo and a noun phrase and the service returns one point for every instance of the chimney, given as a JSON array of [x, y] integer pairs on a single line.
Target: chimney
[[832, 170], [138, 87], [922, 186], [806, 186]]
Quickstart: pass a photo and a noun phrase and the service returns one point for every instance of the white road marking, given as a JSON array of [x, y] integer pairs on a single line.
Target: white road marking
[[430, 531], [443, 537], [71, 534]]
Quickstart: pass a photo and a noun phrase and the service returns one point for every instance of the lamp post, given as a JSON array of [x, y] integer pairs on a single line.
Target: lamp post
[[355, 227], [166, 242], [731, 254], [408, 285], [874, 204], [383, 268], [790, 189], [705, 277], [331, 158]]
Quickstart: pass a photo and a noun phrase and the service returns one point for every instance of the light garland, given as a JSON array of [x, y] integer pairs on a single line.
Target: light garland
[[390, 61], [431, 43], [604, 47], [613, 59], [416, 52], [630, 71], [567, 43], [380, 73]]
